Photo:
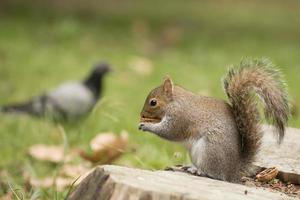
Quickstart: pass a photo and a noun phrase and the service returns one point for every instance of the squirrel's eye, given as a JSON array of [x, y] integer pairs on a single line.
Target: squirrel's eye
[[153, 102]]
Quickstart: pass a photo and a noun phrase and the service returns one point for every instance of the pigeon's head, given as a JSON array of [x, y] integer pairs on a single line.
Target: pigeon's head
[[101, 69], [94, 80]]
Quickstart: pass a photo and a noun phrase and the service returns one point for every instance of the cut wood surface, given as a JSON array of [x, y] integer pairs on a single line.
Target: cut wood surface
[[285, 157], [122, 183], [114, 182]]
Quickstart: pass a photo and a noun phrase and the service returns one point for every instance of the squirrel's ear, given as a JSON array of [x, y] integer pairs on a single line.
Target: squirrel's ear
[[168, 86]]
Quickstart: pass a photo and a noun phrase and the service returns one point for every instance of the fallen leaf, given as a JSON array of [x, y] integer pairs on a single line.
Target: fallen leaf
[[142, 66], [60, 183], [81, 175], [142, 33], [69, 175], [171, 35], [8, 196], [140, 28], [106, 148], [48, 153], [102, 140], [71, 155], [74, 171]]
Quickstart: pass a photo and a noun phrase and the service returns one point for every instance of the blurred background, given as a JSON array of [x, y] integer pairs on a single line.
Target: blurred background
[[45, 43]]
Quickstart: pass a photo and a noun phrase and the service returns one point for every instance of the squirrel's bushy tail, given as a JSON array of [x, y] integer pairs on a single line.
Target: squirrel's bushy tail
[[241, 83]]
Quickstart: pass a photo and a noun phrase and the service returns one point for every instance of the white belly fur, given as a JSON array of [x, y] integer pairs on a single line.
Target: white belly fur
[[196, 149]]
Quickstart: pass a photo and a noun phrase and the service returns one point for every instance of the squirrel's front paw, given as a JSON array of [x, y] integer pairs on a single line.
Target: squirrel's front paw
[[143, 127], [192, 170]]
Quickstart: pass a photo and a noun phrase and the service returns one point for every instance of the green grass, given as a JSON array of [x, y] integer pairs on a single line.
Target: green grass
[[194, 42]]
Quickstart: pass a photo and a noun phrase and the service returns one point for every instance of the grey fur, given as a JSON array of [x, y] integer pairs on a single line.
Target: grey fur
[[222, 139]]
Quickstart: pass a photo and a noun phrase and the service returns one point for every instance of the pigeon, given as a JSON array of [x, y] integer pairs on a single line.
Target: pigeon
[[70, 100]]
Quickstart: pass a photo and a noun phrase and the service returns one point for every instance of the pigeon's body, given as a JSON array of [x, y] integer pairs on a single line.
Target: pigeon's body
[[69, 100]]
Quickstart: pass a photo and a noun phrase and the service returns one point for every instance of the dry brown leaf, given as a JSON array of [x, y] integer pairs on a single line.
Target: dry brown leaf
[[59, 183], [142, 66], [171, 35], [75, 171], [102, 140], [140, 28], [8, 196], [49, 153], [81, 176], [106, 148], [142, 32], [71, 155], [68, 176]]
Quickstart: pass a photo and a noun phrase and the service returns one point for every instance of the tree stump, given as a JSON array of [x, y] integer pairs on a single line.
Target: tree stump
[[115, 182], [285, 157], [122, 183]]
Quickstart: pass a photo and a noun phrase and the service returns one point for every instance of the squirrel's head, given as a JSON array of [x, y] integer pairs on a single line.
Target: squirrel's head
[[156, 102], [164, 112], [154, 113]]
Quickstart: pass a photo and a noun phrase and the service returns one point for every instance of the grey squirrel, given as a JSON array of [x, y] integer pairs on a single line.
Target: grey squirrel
[[222, 138]]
